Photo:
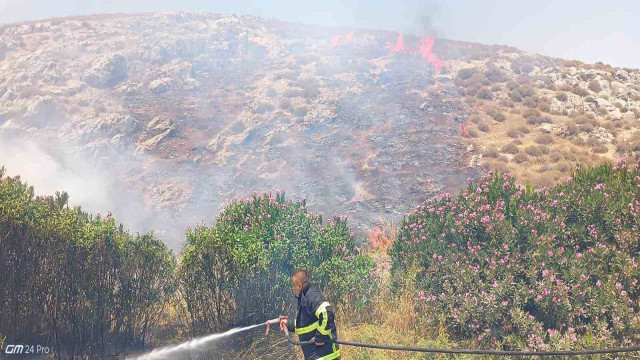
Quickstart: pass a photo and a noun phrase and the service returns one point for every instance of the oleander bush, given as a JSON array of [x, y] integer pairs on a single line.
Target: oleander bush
[[237, 271], [509, 266]]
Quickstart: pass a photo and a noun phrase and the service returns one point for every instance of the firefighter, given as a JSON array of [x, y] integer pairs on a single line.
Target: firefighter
[[314, 320]]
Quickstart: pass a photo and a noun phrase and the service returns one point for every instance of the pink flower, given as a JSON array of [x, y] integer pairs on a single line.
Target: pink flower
[[600, 186]]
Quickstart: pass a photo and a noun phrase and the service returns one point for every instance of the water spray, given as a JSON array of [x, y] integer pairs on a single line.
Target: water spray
[[170, 352]]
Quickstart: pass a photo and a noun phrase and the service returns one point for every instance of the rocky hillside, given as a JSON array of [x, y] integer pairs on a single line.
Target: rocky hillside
[[190, 110]]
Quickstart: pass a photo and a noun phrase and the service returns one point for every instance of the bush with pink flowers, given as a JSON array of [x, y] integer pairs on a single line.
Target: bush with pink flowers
[[510, 266]]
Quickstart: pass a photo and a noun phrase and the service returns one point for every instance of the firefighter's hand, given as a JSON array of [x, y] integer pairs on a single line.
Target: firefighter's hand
[[317, 343], [283, 322]]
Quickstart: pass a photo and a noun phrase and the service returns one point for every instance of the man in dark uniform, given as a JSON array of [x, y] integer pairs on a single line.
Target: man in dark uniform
[[315, 320]]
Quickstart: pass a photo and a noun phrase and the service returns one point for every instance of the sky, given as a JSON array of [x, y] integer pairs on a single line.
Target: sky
[[587, 30]]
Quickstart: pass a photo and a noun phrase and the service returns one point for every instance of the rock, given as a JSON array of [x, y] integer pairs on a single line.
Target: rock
[[616, 114], [202, 63], [589, 75], [602, 103], [182, 70], [190, 84], [75, 87], [115, 124], [160, 86], [552, 129], [107, 71], [10, 125], [129, 89], [41, 110], [622, 75], [153, 142], [159, 124], [99, 148], [163, 48], [629, 116], [602, 135], [606, 89], [618, 88]]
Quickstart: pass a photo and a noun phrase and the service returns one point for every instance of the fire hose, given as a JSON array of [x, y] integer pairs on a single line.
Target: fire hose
[[460, 351]]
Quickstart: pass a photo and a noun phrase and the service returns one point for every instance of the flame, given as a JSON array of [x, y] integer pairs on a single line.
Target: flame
[[349, 37], [334, 41], [399, 47], [379, 239], [425, 50], [337, 40]]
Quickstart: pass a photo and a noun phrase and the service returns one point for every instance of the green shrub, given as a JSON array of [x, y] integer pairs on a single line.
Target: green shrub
[[237, 271], [77, 275], [528, 269]]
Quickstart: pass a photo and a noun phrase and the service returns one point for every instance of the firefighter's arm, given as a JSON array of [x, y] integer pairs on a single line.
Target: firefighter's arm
[[326, 323]]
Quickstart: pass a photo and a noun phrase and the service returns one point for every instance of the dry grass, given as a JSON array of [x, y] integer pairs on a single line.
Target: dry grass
[[389, 320]]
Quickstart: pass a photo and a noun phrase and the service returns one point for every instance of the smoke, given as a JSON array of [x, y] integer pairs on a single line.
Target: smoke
[[94, 184]]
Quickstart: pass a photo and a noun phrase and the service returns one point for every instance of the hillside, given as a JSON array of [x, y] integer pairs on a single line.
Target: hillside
[[191, 110]]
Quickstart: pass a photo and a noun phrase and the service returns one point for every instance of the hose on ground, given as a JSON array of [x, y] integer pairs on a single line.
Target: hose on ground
[[471, 351]]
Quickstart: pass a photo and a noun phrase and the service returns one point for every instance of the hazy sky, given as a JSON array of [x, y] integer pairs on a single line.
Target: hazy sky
[[587, 30]]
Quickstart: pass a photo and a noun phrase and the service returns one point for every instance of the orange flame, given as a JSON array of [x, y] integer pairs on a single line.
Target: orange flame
[[425, 50], [337, 40], [349, 37], [379, 239], [399, 47]]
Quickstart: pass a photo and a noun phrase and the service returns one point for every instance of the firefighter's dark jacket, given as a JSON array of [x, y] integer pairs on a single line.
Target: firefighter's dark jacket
[[315, 318]]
